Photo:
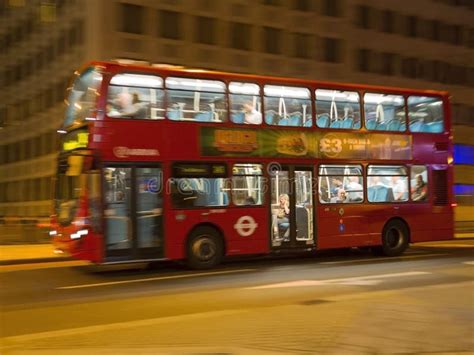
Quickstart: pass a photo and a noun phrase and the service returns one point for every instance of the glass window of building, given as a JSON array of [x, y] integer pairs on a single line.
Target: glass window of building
[[272, 38], [196, 100], [169, 24], [337, 109], [340, 184], [205, 30], [384, 112], [332, 49], [302, 45], [245, 103], [426, 114], [287, 106], [132, 18], [136, 96], [241, 36]]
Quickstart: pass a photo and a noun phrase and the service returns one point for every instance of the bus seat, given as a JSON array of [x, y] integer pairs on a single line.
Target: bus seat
[[382, 126], [295, 119], [380, 193], [371, 124], [308, 123], [347, 122], [393, 125], [416, 126], [238, 117], [284, 122], [371, 193], [433, 127], [203, 116], [174, 114], [323, 120], [270, 116], [335, 124]]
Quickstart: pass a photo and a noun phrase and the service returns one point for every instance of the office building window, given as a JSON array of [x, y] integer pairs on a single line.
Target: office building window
[[332, 50], [331, 8], [132, 18], [301, 45], [411, 26], [241, 35], [302, 5], [169, 24], [363, 59], [388, 20], [272, 40], [205, 30], [388, 64]]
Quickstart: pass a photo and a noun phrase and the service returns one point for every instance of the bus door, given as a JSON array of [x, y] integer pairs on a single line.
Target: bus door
[[133, 213], [292, 208]]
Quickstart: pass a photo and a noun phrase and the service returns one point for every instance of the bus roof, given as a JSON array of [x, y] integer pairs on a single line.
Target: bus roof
[[171, 70]]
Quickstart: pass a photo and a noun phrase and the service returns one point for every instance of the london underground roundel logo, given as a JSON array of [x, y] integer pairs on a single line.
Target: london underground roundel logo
[[245, 226]]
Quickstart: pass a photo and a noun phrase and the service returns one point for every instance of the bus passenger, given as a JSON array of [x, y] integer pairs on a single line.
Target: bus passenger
[[354, 189], [336, 185], [399, 188], [252, 116], [420, 191], [341, 197], [282, 215]]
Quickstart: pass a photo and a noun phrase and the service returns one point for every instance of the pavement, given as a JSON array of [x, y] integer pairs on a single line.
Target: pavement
[[40, 253]]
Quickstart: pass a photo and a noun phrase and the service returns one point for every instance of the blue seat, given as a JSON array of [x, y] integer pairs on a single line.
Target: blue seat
[[394, 125], [296, 119], [433, 127], [238, 117], [284, 122], [347, 122], [269, 116], [203, 116], [308, 123], [174, 114], [323, 120], [370, 124], [336, 124], [380, 193], [382, 126], [416, 126]]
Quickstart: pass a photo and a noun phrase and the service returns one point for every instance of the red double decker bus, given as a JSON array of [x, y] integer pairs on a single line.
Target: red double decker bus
[[173, 163]]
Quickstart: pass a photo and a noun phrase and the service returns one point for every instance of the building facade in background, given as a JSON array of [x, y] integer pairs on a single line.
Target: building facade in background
[[424, 44]]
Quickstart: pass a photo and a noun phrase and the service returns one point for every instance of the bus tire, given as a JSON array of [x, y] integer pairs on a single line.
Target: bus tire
[[395, 238], [205, 248]]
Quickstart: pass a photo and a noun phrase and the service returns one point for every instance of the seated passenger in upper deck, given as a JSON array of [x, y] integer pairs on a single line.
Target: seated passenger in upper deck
[[127, 105], [252, 116]]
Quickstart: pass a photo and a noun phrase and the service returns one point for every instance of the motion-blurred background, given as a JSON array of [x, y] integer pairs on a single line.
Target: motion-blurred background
[[424, 44]]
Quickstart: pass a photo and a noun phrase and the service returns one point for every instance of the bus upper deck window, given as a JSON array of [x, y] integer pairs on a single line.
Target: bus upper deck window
[[287, 106], [425, 114], [337, 109], [245, 103], [196, 100], [136, 96], [384, 112]]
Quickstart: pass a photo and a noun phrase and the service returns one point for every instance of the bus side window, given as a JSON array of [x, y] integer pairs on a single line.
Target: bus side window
[[425, 114], [196, 100], [135, 96], [384, 112], [337, 109], [287, 106], [419, 183]]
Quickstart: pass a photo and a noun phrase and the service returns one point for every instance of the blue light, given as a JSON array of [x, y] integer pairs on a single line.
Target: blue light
[[464, 189], [463, 154]]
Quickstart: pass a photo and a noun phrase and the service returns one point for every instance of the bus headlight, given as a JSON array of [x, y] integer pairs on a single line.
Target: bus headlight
[[53, 233], [79, 234]]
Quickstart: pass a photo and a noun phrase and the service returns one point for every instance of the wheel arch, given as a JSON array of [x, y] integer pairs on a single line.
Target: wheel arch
[[219, 231], [401, 220]]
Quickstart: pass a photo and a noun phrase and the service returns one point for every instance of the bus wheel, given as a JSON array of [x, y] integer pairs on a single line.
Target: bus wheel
[[395, 236], [204, 249]]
